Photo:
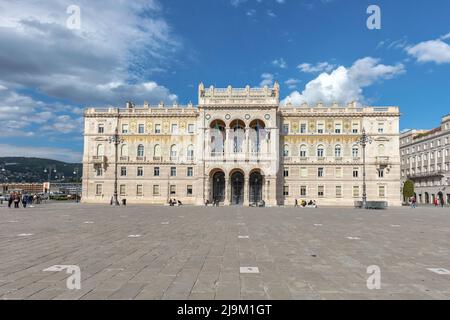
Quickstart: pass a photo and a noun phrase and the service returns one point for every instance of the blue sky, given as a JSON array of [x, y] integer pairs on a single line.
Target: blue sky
[[318, 50]]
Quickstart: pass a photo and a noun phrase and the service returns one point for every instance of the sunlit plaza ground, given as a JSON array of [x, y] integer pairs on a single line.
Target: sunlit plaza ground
[[149, 252]]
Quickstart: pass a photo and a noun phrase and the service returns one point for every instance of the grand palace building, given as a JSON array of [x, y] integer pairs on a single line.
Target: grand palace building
[[241, 147]]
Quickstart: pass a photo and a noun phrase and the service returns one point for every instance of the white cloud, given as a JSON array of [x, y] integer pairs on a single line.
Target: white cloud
[[62, 154], [267, 79], [292, 83], [123, 44], [280, 63], [318, 67], [436, 51], [344, 85]]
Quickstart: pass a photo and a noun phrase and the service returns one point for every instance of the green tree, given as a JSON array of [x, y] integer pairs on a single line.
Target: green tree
[[408, 189]]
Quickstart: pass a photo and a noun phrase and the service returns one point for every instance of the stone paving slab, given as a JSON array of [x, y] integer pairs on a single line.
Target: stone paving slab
[[300, 254]]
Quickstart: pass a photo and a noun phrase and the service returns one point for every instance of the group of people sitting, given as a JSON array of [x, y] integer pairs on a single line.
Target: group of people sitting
[[304, 204], [175, 202]]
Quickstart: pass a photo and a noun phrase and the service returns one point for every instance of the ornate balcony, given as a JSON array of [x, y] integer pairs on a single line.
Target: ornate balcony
[[99, 159], [382, 161], [430, 174]]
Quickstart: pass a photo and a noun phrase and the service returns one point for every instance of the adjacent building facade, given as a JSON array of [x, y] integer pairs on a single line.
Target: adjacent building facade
[[425, 159], [240, 147]]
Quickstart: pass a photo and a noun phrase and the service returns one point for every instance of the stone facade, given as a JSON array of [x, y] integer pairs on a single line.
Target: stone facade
[[240, 147], [425, 159]]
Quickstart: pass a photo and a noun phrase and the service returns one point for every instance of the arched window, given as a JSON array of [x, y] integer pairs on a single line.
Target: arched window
[[355, 152], [173, 152], [320, 151], [124, 151], [303, 151], [100, 150], [157, 151], [140, 150], [338, 151], [190, 152], [286, 150]]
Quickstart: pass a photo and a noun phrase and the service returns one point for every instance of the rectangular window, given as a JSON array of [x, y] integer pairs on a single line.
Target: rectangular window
[[139, 191], [303, 191], [286, 128], [304, 172], [156, 171], [190, 172], [173, 190], [303, 128], [99, 171], [320, 172], [338, 191], [156, 190], [98, 189], [125, 128], [157, 128], [191, 128], [338, 128], [122, 190], [355, 128], [338, 172], [189, 191], [381, 128], [355, 191], [101, 128], [355, 172], [174, 129], [320, 191], [381, 173], [382, 191], [320, 128], [173, 171], [141, 128], [286, 191], [286, 172], [123, 171], [140, 171]]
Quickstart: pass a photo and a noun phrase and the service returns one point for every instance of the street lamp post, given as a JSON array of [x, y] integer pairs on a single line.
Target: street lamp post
[[77, 173], [363, 141], [49, 171], [117, 141]]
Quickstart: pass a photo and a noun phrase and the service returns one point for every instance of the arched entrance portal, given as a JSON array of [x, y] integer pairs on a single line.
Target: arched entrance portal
[[441, 198], [237, 188], [218, 181], [427, 198], [256, 184]]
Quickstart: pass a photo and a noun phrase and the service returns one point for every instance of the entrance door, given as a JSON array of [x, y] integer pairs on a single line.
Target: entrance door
[[256, 183], [219, 187], [237, 188]]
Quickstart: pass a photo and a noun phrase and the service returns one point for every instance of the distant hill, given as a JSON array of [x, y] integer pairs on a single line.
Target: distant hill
[[21, 170]]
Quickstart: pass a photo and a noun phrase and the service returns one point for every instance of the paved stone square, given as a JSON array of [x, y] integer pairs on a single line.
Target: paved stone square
[[149, 252]]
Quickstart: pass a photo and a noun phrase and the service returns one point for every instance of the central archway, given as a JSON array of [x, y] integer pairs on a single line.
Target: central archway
[[218, 182], [237, 188], [256, 185]]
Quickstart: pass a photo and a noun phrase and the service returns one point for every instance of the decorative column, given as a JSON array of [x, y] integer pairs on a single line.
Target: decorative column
[[227, 201], [246, 143], [227, 144], [207, 190], [246, 192]]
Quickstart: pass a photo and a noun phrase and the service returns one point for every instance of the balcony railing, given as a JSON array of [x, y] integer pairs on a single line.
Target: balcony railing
[[98, 159], [430, 174], [140, 159], [382, 160]]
